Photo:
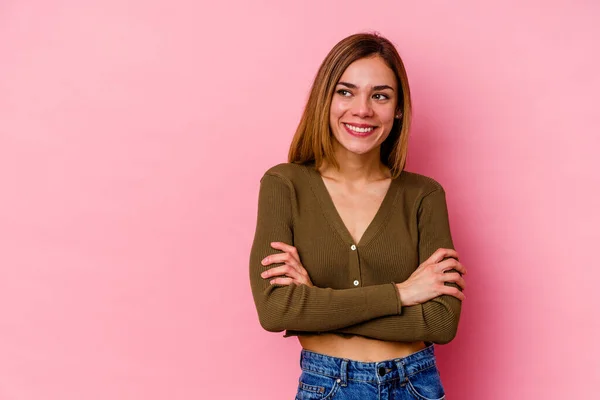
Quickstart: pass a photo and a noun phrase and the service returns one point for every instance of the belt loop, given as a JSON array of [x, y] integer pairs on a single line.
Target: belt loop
[[401, 371], [344, 373]]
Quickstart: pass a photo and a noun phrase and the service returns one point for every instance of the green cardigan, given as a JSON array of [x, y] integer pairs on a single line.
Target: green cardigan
[[354, 291]]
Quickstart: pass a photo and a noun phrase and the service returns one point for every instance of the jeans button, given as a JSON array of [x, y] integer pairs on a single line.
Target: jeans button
[[381, 371]]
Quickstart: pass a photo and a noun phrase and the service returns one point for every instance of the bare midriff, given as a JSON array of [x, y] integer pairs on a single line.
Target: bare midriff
[[358, 348]]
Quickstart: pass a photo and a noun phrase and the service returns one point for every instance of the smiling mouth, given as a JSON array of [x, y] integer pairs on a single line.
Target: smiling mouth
[[359, 131]]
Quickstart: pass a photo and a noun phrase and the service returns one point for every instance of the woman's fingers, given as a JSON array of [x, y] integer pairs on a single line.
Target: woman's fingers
[[440, 254], [278, 271], [280, 258], [452, 291], [281, 281], [454, 277], [287, 272], [449, 264], [292, 270], [286, 248]]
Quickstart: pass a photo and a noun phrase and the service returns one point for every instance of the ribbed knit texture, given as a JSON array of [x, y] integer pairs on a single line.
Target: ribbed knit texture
[[354, 291]]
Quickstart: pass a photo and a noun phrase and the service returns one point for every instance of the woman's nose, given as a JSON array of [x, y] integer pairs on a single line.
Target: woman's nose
[[362, 107]]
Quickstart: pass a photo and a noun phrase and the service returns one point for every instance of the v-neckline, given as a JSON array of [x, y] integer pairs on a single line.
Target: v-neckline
[[333, 216]]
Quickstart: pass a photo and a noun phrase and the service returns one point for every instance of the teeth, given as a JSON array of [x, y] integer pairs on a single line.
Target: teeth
[[359, 130]]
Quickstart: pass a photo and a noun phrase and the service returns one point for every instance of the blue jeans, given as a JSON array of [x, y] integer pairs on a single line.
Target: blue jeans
[[414, 377]]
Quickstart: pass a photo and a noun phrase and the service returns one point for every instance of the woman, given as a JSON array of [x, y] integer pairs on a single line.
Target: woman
[[352, 254]]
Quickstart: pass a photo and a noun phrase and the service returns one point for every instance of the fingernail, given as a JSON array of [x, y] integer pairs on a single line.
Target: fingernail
[[263, 275], [272, 282], [264, 261]]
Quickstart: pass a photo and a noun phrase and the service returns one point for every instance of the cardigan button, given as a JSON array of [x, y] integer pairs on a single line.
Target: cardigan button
[[353, 247], [356, 283]]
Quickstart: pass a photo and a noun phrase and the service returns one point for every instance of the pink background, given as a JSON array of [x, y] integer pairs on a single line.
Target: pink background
[[132, 139]]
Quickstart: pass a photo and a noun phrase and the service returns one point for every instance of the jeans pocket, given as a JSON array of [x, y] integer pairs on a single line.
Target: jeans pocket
[[426, 384], [312, 386]]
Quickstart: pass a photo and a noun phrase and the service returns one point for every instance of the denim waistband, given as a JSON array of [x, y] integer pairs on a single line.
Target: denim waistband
[[374, 372]]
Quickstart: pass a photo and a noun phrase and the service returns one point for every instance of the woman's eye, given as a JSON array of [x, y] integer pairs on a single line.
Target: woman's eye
[[380, 96], [343, 92]]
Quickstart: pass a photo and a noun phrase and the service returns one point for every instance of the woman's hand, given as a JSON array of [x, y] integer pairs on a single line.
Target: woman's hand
[[427, 282], [291, 272]]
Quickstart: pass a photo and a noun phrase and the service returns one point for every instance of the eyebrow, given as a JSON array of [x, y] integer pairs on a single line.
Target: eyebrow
[[378, 87]]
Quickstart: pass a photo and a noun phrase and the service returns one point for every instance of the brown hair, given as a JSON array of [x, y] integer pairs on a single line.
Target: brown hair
[[312, 141]]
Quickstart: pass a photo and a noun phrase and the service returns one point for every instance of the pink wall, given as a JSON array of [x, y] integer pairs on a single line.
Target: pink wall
[[132, 139]]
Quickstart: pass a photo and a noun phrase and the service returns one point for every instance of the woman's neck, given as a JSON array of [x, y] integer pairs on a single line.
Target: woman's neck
[[356, 168]]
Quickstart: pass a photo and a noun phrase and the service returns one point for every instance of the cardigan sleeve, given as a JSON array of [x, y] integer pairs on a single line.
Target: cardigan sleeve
[[299, 307], [437, 319]]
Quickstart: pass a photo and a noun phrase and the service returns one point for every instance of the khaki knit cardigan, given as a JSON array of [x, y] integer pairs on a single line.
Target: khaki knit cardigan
[[354, 291]]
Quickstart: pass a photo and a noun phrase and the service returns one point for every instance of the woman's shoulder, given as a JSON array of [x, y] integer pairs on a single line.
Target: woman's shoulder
[[420, 183], [288, 171]]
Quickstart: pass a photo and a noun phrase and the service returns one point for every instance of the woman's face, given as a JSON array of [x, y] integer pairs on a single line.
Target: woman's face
[[364, 105]]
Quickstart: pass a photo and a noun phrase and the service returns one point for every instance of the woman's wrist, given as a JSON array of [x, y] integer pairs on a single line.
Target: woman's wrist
[[404, 295], [401, 294]]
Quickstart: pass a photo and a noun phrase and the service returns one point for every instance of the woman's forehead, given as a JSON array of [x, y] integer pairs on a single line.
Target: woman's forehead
[[368, 72]]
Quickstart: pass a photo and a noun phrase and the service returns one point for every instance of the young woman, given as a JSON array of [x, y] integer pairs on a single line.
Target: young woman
[[352, 254]]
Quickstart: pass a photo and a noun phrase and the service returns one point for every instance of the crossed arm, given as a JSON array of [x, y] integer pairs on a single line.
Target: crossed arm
[[373, 311], [435, 320]]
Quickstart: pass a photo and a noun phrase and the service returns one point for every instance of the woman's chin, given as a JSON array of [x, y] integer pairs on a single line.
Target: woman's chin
[[358, 150]]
